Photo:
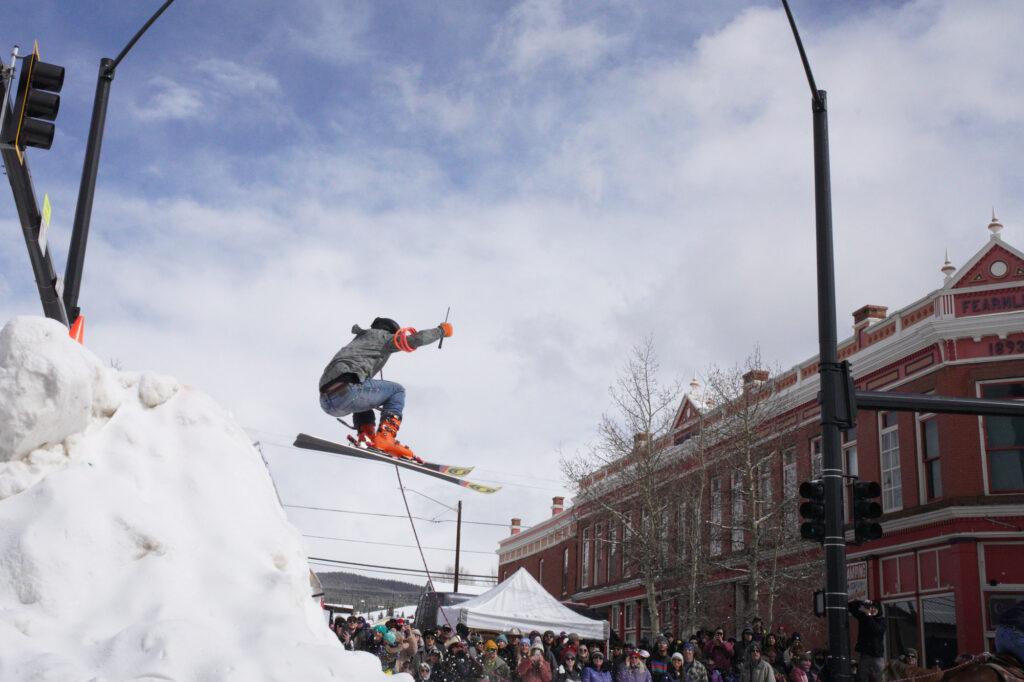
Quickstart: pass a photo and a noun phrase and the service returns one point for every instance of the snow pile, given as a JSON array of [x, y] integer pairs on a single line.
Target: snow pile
[[140, 536]]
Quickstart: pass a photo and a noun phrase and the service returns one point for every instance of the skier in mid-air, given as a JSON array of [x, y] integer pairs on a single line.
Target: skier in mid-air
[[347, 385]]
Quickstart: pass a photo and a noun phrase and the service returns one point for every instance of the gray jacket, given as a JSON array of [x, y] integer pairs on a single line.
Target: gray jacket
[[761, 671], [367, 354]]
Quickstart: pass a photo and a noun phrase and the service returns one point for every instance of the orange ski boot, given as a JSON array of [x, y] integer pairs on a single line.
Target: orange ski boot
[[385, 441], [364, 435]]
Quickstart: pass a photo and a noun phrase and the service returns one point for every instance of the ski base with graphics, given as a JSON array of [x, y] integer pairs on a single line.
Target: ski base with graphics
[[441, 471], [433, 466]]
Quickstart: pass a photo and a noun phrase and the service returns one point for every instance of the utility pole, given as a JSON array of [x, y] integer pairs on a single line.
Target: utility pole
[[458, 544]]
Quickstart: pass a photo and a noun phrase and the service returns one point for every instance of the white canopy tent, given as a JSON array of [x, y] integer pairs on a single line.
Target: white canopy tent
[[521, 602]]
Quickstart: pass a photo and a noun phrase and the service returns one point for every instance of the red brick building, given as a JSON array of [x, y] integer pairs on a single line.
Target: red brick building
[[952, 553]]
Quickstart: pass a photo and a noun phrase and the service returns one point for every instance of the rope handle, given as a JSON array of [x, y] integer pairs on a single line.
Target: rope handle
[[401, 339]]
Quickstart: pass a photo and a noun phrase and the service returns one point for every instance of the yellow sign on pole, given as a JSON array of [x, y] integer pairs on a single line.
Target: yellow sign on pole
[[44, 223]]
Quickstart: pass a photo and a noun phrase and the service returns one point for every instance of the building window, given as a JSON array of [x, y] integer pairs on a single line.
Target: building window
[[938, 621], [929, 439], [889, 447], [901, 631], [565, 570], [585, 580], [789, 488], [715, 543], [613, 551], [1004, 441], [764, 484], [630, 634], [599, 554], [816, 458], [850, 468], [737, 511]]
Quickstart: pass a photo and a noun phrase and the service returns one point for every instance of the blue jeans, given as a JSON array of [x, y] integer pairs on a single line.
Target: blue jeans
[[360, 399]]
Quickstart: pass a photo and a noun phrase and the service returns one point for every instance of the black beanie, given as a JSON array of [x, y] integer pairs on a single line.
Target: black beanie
[[386, 323]]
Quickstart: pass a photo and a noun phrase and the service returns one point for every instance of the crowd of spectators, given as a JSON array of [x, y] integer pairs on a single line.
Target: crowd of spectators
[[758, 655]]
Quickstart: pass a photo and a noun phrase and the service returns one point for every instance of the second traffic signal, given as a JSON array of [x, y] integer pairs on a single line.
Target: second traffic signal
[[866, 512], [813, 510]]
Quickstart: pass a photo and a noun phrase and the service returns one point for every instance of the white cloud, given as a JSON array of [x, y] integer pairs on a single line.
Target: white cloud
[[536, 33], [167, 99]]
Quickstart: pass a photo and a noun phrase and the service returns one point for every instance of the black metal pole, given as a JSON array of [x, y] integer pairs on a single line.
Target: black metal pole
[[90, 169], [458, 544], [87, 190], [831, 382]]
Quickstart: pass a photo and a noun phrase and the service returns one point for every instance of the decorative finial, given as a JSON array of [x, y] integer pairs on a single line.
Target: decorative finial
[[995, 226], [948, 268], [694, 385]]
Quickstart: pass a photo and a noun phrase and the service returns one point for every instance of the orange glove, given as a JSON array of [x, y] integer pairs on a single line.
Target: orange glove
[[446, 329]]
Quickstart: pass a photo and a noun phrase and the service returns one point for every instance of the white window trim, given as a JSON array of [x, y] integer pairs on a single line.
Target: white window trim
[[881, 468], [981, 433]]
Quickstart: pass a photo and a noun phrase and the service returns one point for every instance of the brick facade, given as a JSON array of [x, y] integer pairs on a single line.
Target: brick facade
[[952, 553]]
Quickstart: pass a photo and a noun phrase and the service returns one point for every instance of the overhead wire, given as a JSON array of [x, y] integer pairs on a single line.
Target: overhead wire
[[441, 574], [393, 544], [396, 516]]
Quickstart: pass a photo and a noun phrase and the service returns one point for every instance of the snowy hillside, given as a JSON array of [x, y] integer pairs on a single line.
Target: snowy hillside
[[140, 537]]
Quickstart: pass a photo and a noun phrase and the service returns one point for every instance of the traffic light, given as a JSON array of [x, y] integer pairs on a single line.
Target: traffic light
[[37, 103], [865, 512], [813, 511]]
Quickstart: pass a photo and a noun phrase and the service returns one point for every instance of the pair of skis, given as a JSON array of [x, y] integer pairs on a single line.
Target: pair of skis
[[445, 472]]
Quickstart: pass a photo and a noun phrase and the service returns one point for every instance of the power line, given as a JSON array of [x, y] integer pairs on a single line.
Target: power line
[[395, 516], [399, 568], [393, 544]]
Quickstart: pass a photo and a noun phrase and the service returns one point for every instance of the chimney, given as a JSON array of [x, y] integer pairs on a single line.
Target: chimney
[[557, 505], [862, 317], [640, 438], [755, 377], [516, 523]]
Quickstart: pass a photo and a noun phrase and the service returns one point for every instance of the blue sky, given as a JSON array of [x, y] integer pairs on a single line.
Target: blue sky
[[569, 177]]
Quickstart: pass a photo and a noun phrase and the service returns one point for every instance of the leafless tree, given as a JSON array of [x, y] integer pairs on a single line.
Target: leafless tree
[[622, 477], [753, 427]]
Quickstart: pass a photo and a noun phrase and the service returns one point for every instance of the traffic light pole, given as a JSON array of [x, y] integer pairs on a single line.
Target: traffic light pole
[[31, 221], [90, 170], [833, 384]]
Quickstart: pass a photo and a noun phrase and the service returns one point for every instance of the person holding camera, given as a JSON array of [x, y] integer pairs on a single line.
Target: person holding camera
[[534, 668]]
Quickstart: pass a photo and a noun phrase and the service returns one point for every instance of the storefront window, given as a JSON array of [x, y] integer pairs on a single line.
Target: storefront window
[[938, 618], [901, 631]]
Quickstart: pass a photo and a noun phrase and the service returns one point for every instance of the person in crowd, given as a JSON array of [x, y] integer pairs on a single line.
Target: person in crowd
[[675, 672], [570, 669], [583, 653], [458, 666], [693, 670], [634, 670], [909, 657], [535, 667], [550, 653], [596, 670], [434, 659], [658, 663], [522, 653], [739, 651], [718, 653], [792, 653], [802, 670], [495, 669], [772, 656], [389, 658], [870, 640], [505, 652], [423, 673], [770, 642], [755, 668], [616, 658], [375, 642], [757, 625]]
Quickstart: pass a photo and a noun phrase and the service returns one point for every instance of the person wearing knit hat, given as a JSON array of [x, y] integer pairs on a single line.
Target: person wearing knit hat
[[534, 668], [493, 666]]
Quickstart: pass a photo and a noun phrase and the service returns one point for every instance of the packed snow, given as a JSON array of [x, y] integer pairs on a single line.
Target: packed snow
[[140, 535]]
